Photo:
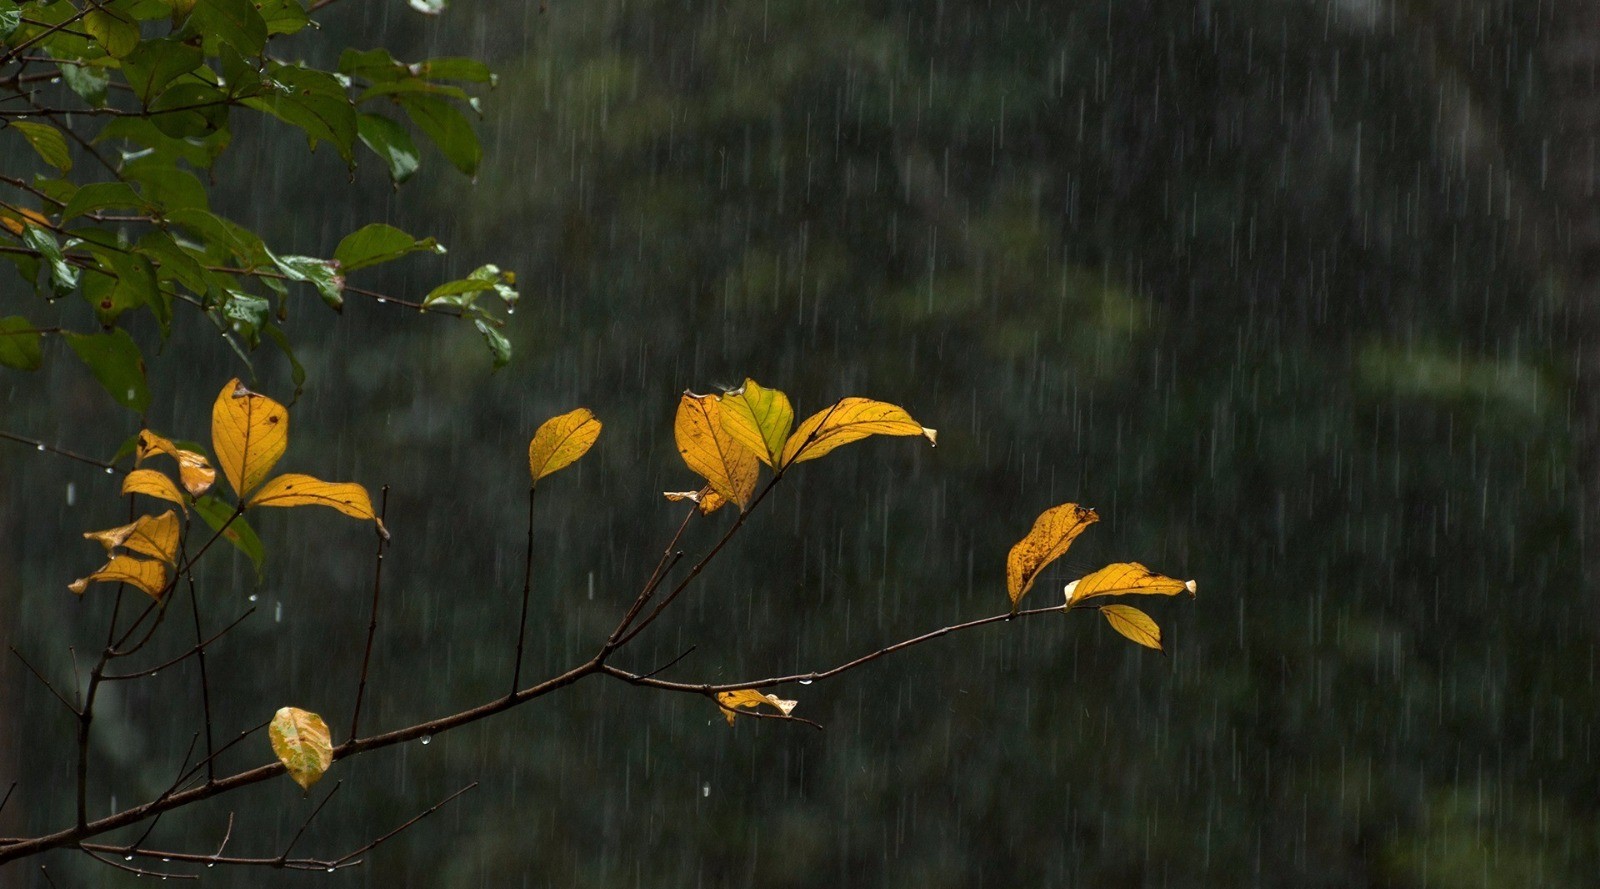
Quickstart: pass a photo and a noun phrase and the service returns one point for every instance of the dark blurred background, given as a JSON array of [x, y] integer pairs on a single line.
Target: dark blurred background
[[1297, 294]]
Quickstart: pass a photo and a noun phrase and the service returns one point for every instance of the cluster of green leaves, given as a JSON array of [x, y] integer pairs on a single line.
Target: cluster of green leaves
[[127, 105]]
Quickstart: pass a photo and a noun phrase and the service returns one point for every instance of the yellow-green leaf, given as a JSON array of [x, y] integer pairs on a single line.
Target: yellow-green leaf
[[193, 469], [1124, 579], [249, 432], [560, 441], [147, 535], [749, 699], [759, 419], [301, 741], [851, 419], [1052, 533], [1133, 623], [146, 575], [728, 466], [153, 484], [296, 489]]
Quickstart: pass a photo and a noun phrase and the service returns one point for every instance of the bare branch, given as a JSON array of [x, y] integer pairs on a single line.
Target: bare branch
[[372, 620], [40, 676]]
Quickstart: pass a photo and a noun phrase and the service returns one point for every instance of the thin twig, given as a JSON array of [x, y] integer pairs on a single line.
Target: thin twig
[[40, 676], [119, 677], [372, 620], [39, 445], [669, 558], [669, 664], [527, 585], [136, 871], [284, 856], [414, 819], [7, 798], [200, 657]]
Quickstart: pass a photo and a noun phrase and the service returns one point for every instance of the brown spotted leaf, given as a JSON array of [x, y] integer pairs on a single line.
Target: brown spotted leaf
[[728, 467], [249, 432], [296, 489], [1053, 532], [301, 742], [193, 469]]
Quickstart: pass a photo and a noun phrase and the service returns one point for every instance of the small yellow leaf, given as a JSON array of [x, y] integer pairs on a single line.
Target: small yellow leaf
[[759, 419], [707, 500], [728, 466], [560, 441], [749, 699], [193, 469], [296, 489], [153, 484], [301, 741], [1052, 533], [148, 535], [15, 221], [148, 576], [851, 419], [1123, 579], [1133, 623], [249, 432]]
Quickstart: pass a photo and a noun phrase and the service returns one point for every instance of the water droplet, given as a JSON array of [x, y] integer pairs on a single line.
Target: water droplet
[[705, 789], [330, 870], [277, 613], [253, 597], [427, 739], [807, 681], [41, 446], [127, 858], [382, 299], [109, 470], [72, 493], [510, 311]]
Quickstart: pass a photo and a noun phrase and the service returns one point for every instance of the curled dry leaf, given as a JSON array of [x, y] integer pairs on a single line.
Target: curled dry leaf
[[707, 500], [728, 467], [758, 418], [296, 489], [1125, 579], [194, 471], [748, 698], [560, 441], [301, 742], [150, 577], [147, 535], [249, 432], [851, 419], [1053, 532], [153, 484], [1134, 624]]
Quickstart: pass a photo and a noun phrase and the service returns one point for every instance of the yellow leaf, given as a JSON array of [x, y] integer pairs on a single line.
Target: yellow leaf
[[707, 500], [15, 221], [193, 469], [296, 489], [1126, 578], [148, 576], [1133, 623], [728, 466], [749, 699], [152, 484], [148, 535], [852, 419], [759, 419], [301, 741], [1052, 533], [560, 441], [249, 432]]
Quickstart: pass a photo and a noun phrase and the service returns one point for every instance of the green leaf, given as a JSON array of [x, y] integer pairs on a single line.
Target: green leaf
[[247, 314], [463, 292], [63, 275], [88, 81], [391, 142], [115, 361], [315, 102], [447, 127], [190, 110], [123, 281], [499, 346], [173, 262], [10, 18], [102, 196], [47, 141], [239, 533], [375, 243], [371, 64], [218, 235], [234, 23], [167, 185], [322, 274], [154, 64], [19, 344], [454, 68], [114, 31], [283, 16]]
